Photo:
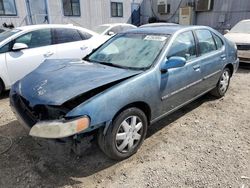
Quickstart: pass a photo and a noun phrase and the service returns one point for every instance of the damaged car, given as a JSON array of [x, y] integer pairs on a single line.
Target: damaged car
[[131, 81]]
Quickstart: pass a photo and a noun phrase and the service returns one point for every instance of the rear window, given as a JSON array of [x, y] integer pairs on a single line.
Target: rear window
[[218, 41], [206, 41], [64, 35]]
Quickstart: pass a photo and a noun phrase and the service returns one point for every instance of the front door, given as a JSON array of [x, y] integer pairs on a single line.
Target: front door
[[37, 11], [19, 63], [180, 85], [135, 17]]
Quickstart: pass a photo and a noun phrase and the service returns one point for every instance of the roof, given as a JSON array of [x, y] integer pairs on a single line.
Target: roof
[[40, 26], [157, 30], [163, 30], [158, 24], [115, 24]]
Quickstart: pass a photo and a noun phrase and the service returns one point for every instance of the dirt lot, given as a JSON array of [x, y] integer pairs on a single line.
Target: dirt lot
[[205, 144]]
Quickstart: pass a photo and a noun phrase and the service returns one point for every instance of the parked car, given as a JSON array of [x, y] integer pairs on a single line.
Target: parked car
[[131, 81], [23, 49], [112, 29], [240, 34], [158, 24]]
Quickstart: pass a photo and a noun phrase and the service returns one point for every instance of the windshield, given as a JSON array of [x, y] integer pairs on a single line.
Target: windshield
[[135, 51], [100, 29], [6, 34], [241, 27]]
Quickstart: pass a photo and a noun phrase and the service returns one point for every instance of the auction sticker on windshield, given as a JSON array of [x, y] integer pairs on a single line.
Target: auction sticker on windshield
[[155, 38]]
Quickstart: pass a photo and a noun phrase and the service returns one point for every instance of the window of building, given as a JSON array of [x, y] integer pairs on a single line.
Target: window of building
[[116, 9], [8, 8], [71, 8]]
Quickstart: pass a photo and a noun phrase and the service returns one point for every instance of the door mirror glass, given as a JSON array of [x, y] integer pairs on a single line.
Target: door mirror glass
[[173, 62], [111, 33], [19, 46]]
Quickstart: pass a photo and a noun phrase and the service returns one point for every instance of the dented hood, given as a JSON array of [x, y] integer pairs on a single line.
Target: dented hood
[[57, 81]]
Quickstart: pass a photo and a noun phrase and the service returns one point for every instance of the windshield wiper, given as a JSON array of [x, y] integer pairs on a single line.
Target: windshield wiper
[[112, 65]]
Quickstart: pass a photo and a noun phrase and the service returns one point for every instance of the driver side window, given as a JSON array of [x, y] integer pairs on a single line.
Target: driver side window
[[36, 38], [183, 46]]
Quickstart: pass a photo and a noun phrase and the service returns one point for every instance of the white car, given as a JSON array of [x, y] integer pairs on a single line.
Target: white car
[[158, 24], [240, 34], [112, 29], [24, 48]]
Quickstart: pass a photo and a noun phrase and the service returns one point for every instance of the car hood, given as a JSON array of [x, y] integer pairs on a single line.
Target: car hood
[[57, 81], [238, 38]]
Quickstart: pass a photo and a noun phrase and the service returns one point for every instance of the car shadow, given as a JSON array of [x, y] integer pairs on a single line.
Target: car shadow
[[51, 161]]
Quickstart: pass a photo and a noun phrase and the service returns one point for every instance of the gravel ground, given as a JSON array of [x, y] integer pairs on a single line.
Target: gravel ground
[[205, 144]]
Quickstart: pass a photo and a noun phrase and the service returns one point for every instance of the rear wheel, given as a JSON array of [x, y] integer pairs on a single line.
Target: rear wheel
[[223, 84], [126, 134]]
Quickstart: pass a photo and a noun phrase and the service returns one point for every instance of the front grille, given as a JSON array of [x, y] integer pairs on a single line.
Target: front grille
[[243, 47], [23, 109], [32, 115]]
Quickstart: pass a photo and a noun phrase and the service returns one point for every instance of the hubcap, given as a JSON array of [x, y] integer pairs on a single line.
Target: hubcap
[[129, 134], [224, 81]]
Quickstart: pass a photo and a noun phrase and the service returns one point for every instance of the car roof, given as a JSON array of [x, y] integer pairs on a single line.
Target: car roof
[[116, 24], [163, 30], [41, 26], [44, 26], [158, 24]]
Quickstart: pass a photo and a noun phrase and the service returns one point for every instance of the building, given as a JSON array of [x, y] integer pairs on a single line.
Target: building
[[86, 13], [219, 14]]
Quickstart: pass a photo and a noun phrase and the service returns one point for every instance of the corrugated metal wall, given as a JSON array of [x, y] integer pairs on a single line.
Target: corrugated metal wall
[[225, 13]]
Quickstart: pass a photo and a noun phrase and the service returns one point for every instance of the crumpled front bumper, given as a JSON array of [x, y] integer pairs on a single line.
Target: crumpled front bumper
[[52, 129]]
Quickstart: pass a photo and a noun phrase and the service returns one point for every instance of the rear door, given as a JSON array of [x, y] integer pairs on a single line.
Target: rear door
[[211, 56], [180, 85], [20, 63], [71, 43]]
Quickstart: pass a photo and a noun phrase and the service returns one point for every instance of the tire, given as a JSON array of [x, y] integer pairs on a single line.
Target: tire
[[1, 87], [223, 84], [125, 135]]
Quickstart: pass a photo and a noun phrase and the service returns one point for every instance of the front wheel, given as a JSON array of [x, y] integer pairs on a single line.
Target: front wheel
[[126, 134], [223, 84]]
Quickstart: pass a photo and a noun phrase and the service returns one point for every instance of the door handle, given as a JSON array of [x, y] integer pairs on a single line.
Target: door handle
[[48, 54], [196, 67], [223, 56], [83, 47]]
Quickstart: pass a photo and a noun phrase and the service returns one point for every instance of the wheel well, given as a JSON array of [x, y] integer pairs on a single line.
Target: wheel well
[[231, 68], [140, 105], [1, 82]]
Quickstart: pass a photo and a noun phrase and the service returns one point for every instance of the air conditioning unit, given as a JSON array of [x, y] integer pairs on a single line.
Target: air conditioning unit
[[163, 6], [186, 16], [203, 5]]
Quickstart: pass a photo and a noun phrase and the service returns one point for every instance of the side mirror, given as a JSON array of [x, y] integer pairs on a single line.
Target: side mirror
[[173, 62], [226, 31], [111, 33], [19, 46]]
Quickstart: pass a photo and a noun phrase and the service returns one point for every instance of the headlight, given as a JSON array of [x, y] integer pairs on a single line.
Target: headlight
[[59, 129]]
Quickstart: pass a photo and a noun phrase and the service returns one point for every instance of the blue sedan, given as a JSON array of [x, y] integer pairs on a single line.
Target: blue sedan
[[131, 81]]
